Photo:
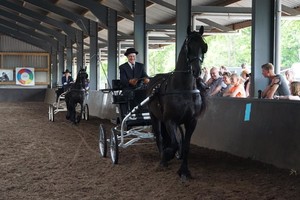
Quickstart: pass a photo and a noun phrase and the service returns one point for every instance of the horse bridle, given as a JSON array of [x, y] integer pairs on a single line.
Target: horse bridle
[[189, 61], [195, 58]]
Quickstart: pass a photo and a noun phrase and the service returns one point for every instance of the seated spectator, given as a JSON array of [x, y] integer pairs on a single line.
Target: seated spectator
[[236, 89], [290, 76], [277, 84], [244, 76], [215, 83], [295, 92], [204, 74], [222, 70], [247, 85], [226, 79]]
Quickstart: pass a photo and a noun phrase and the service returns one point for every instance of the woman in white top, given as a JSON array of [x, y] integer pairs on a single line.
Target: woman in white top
[[295, 92]]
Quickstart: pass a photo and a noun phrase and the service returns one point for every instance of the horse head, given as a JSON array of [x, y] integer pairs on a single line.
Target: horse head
[[195, 48], [82, 76]]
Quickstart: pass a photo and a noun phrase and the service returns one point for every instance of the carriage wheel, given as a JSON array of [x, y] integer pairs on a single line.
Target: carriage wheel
[[102, 141], [179, 137], [86, 112], [51, 113], [114, 148]]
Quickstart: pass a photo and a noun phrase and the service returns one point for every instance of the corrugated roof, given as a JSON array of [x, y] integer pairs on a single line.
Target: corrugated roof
[[158, 12]]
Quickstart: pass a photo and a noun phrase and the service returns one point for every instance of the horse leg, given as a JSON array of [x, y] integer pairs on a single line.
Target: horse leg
[[68, 115], [81, 111], [156, 129], [72, 112], [183, 171], [170, 141]]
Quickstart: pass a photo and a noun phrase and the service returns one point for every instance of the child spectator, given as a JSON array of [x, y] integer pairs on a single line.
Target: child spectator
[[295, 92]]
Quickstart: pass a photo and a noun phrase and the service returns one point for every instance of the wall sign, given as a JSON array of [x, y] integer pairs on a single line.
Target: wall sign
[[25, 76]]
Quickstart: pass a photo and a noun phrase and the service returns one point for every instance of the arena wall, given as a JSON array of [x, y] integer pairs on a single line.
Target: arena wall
[[259, 129], [22, 94]]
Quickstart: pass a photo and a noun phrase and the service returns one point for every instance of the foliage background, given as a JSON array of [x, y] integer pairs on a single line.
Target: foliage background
[[231, 50]]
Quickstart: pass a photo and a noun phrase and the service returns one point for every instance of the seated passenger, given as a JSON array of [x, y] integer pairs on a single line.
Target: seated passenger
[[277, 84], [132, 73], [236, 89], [215, 83], [295, 92], [66, 81]]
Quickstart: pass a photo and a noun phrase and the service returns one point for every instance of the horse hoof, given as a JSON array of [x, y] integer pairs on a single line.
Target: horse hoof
[[160, 167], [183, 179], [163, 164], [169, 154], [184, 176]]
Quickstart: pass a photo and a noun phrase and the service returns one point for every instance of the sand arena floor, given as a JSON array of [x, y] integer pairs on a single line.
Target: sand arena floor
[[57, 160]]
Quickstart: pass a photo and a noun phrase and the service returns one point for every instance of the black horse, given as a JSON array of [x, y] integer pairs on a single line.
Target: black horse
[[75, 95], [176, 101]]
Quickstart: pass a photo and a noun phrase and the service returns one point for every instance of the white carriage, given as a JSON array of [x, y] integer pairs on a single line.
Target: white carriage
[[133, 124]]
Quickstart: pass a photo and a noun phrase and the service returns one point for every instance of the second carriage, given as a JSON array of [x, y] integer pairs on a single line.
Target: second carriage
[[60, 105]]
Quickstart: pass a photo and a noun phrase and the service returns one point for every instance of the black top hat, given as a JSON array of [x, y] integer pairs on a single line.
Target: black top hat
[[67, 71], [129, 51]]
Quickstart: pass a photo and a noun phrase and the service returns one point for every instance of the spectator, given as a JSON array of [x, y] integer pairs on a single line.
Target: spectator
[[204, 74], [132, 73], [226, 79], [222, 70], [236, 89], [215, 83], [244, 76], [247, 85], [277, 85], [243, 66], [295, 92], [290, 76], [245, 80]]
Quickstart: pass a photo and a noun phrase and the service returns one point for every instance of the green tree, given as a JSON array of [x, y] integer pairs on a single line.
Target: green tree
[[230, 50], [161, 60], [290, 43]]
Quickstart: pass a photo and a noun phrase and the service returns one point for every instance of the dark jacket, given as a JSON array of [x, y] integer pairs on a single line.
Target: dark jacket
[[126, 73], [66, 83]]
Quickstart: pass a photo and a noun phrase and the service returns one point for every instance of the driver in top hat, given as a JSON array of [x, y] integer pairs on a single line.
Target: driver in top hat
[[66, 79], [132, 72]]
